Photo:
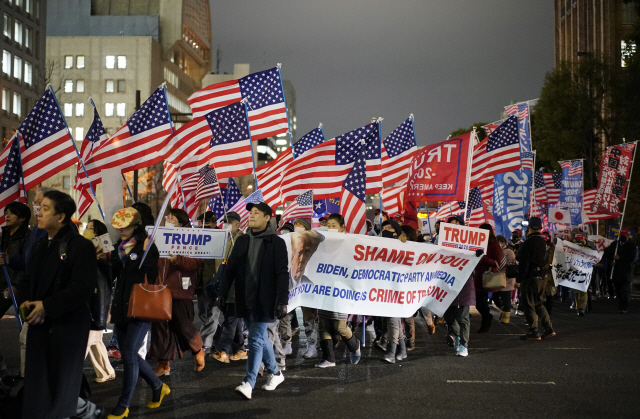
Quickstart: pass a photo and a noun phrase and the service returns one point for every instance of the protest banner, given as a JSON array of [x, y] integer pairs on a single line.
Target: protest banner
[[563, 232], [600, 242], [440, 172], [511, 200], [572, 265], [571, 190], [199, 243], [462, 237], [373, 276], [615, 171]]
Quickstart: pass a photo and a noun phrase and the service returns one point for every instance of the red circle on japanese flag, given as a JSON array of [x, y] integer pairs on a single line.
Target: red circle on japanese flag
[[558, 215]]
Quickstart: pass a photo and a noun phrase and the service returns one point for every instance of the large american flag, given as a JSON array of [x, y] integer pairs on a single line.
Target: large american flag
[[539, 188], [5, 153], [522, 111], [139, 143], [46, 147], [475, 209], [301, 207], [265, 101], [588, 197], [94, 136], [553, 184], [393, 199], [498, 153], [449, 209], [574, 166], [352, 200], [398, 150], [241, 208], [269, 175], [11, 174], [231, 195], [325, 167]]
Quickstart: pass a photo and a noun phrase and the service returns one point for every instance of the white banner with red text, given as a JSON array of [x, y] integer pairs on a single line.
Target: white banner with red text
[[572, 265], [373, 276]]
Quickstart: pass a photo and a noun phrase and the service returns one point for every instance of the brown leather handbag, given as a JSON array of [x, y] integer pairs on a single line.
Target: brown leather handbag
[[150, 302]]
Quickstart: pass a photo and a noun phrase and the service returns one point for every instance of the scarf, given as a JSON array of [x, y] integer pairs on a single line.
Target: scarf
[[125, 248]]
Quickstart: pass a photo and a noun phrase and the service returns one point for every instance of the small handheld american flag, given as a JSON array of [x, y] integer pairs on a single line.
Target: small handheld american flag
[[301, 207]]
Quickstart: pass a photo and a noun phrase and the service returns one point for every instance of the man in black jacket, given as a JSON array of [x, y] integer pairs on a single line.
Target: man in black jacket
[[623, 254], [258, 268], [532, 258]]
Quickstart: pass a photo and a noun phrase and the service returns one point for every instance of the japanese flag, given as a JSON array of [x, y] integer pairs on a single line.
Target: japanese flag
[[560, 216]]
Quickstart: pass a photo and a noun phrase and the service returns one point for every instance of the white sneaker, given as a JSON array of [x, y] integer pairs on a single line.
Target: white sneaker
[[245, 389], [273, 381], [287, 350], [312, 352], [462, 351]]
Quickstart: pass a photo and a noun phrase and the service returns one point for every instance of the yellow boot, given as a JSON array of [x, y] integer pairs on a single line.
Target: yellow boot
[[163, 392], [505, 317], [114, 414]]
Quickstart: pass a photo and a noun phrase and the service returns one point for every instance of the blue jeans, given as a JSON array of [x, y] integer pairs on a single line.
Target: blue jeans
[[130, 337], [260, 350]]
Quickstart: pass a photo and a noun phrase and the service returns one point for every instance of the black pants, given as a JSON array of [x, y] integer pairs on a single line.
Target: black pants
[[623, 292], [503, 299], [231, 338], [482, 305]]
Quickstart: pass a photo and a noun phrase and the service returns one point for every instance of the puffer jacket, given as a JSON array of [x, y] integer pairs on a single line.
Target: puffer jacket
[[173, 273]]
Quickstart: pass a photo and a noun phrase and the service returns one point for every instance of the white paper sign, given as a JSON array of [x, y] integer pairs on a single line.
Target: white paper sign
[[200, 243], [373, 276], [573, 265], [428, 225], [463, 237]]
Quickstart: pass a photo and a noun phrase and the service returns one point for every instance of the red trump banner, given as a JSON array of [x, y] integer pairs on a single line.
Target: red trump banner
[[440, 172], [614, 174]]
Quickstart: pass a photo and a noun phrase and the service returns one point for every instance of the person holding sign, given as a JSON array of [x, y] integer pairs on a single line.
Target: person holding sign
[[179, 273]]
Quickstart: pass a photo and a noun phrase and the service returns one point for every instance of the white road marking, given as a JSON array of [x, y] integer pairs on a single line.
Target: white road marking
[[568, 348], [499, 382]]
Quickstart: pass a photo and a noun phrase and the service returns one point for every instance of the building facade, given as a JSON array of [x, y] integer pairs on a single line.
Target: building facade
[[24, 70]]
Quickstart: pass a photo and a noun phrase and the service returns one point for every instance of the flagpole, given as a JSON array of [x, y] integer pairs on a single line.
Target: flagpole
[[13, 297], [624, 207], [77, 152], [381, 189], [166, 100], [253, 160], [184, 201], [286, 111], [17, 138]]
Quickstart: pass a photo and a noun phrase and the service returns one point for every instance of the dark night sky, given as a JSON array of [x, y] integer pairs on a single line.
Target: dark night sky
[[450, 63]]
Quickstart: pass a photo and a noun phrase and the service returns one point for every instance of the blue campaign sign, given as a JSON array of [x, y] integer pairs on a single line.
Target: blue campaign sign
[[571, 195], [326, 206], [199, 243], [511, 194], [614, 230]]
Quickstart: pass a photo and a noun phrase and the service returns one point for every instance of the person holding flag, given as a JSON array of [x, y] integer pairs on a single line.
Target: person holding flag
[[623, 253]]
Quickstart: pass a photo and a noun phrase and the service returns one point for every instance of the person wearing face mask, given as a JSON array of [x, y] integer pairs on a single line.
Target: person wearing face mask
[[623, 254], [230, 344], [331, 323], [208, 313], [286, 228], [324, 220]]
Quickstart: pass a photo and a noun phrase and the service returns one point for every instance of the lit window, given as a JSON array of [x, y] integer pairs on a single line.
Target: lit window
[[111, 61], [79, 109], [626, 52], [68, 61], [18, 2], [17, 67], [68, 86], [28, 73], [17, 32], [66, 180], [6, 100], [17, 104], [68, 109], [79, 133], [7, 26], [27, 38], [121, 109], [108, 109], [6, 62], [27, 6], [79, 86], [122, 61], [110, 86], [121, 86], [80, 61]]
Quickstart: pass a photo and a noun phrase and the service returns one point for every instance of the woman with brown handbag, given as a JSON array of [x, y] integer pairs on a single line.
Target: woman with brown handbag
[[125, 263], [490, 261], [180, 275]]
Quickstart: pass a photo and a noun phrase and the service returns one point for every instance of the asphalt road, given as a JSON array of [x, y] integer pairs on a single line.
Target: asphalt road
[[590, 369]]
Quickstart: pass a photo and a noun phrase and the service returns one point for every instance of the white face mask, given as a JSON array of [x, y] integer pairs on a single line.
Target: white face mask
[[226, 226], [36, 210], [168, 224], [376, 220], [333, 230], [299, 229], [324, 228]]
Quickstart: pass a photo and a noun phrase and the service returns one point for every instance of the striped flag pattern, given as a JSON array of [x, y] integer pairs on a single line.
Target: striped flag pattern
[[352, 200], [475, 209], [301, 207], [526, 157], [11, 174], [398, 150], [498, 153], [449, 209], [265, 101], [553, 184], [46, 147], [231, 195], [241, 208], [587, 201], [539, 188], [393, 199], [574, 166], [95, 136]]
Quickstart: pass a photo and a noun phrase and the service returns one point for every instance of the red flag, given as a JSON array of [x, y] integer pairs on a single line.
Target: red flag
[[614, 177]]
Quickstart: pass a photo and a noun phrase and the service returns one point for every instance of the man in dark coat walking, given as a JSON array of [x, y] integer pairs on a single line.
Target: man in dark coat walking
[[623, 254], [61, 285], [258, 268]]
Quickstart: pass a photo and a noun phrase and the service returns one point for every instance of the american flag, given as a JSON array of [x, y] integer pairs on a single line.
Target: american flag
[[46, 147], [393, 199], [553, 184], [449, 209], [11, 174], [486, 191], [587, 202], [269, 175], [241, 207], [522, 111], [526, 157], [265, 101], [139, 143], [574, 166], [475, 209], [231, 195], [205, 183], [489, 128], [539, 187], [352, 201], [5, 153], [398, 150], [498, 153], [301, 207], [325, 167], [94, 136]]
